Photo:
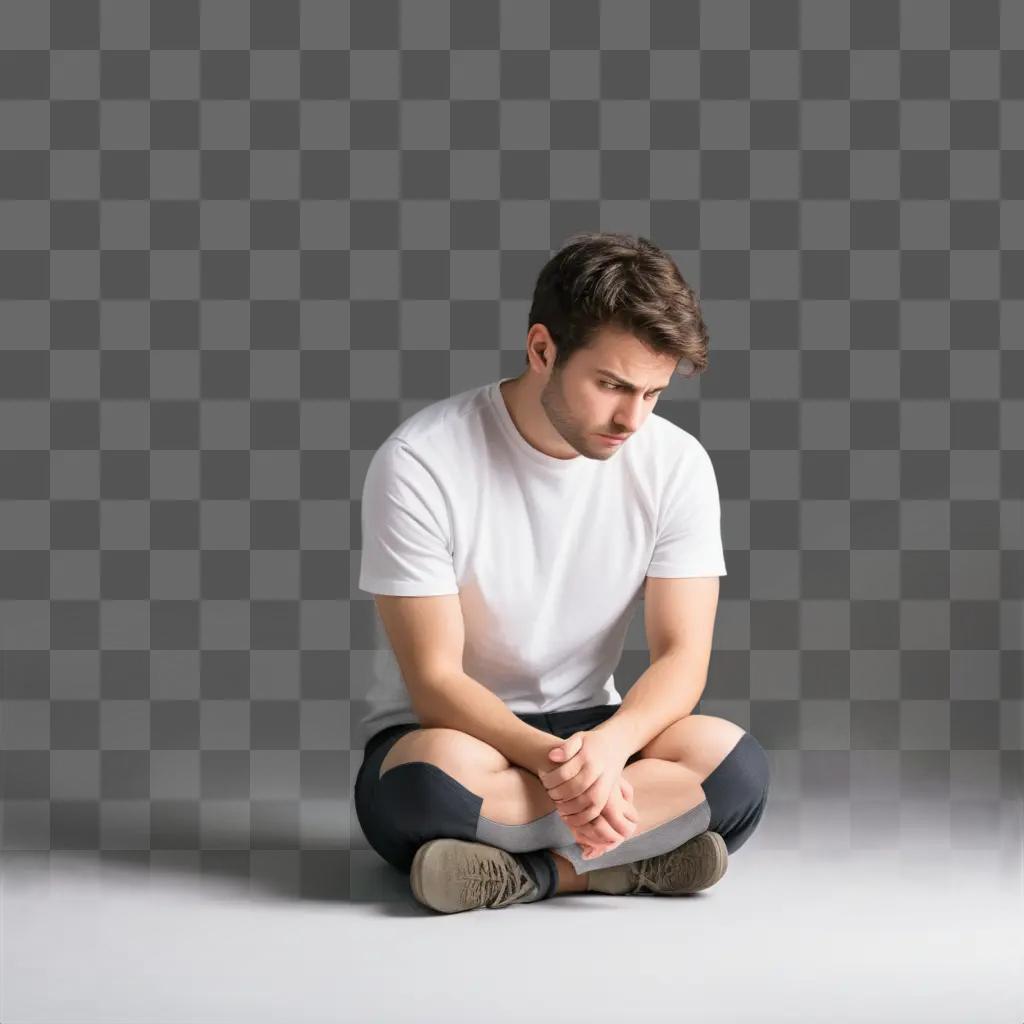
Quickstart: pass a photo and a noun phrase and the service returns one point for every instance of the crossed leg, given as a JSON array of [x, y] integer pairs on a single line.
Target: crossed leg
[[666, 779]]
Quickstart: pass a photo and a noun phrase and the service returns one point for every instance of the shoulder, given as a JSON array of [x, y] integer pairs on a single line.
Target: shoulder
[[674, 444], [449, 425], [681, 465]]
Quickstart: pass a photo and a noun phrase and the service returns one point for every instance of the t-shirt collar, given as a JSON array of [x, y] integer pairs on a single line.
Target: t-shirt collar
[[537, 457]]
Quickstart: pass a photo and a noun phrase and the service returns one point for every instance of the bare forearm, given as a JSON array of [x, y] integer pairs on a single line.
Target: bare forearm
[[667, 690], [461, 702]]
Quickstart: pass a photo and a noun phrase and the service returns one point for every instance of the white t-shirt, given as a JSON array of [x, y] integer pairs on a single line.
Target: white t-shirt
[[548, 555]]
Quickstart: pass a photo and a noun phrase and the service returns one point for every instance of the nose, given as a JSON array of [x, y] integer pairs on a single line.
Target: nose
[[628, 422]]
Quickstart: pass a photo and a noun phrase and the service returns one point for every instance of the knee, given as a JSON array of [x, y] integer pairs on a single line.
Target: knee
[[415, 791], [737, 791], [756, 764], [418, 801], [454, 752]]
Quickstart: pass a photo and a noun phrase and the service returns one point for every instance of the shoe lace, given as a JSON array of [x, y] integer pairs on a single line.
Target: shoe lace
[[494, 883], [666, 871], [653, 874], [675, 871]]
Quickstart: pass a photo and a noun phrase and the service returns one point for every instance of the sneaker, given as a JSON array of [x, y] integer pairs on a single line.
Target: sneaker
[[452, 875], [696, 865]]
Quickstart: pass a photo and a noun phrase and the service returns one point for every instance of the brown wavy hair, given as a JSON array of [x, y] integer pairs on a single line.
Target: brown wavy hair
[[602, 278]]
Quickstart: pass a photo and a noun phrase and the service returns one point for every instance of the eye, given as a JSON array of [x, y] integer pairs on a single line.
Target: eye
[[617, 387]]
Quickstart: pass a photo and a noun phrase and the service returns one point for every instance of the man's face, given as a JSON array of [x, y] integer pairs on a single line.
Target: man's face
[[586, 398]]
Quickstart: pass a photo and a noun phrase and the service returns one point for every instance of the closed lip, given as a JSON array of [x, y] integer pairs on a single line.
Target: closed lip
[[615, 437]]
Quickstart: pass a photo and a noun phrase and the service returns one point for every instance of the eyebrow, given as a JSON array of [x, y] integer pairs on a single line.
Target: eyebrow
[[629, 384]]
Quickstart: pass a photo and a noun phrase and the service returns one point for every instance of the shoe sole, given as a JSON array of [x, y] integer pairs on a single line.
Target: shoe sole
[[417, 877]]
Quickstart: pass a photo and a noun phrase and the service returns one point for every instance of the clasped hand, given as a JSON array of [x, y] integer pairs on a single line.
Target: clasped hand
[[587, 785]]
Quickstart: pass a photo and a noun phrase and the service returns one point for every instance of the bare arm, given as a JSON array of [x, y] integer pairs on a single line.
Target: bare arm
[[679, 618], [427, 635]]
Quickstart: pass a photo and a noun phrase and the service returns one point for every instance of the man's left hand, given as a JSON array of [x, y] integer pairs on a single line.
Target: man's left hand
[[588, 765]]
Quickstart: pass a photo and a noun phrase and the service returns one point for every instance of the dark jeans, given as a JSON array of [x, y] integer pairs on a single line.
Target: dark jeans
[[406, 809]]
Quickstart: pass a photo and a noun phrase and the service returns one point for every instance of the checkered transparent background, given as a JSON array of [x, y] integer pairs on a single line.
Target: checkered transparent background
[[242, 242]]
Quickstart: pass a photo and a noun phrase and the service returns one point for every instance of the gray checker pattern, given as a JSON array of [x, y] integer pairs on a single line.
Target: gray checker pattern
[[242, 241]]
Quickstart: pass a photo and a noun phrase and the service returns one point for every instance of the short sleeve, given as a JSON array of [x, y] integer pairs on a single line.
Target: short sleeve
[[406, 533], [689, 541]]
